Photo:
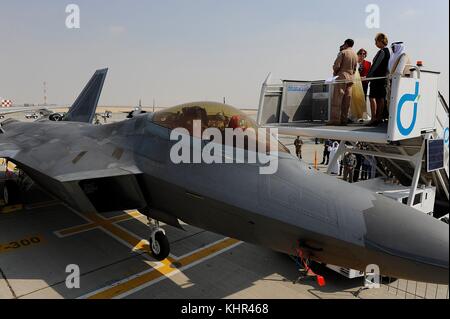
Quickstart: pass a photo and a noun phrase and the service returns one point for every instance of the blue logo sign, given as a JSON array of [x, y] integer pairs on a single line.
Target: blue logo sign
[[446, 135], [299, 88], [405, 131]]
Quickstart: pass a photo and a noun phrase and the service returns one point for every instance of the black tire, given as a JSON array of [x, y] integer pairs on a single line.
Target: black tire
[[162, 249], [4, 194], [11, 193]]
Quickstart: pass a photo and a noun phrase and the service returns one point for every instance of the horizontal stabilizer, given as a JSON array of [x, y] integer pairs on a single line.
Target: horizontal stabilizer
[[85, 106]]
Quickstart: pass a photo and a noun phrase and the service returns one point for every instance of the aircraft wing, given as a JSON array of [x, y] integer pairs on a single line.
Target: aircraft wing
[[90, 182], [95, 161], [74, 160], [87, 181], [23, 109]]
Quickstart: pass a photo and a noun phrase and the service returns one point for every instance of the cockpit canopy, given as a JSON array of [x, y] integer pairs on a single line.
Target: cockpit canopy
[[211, 115]]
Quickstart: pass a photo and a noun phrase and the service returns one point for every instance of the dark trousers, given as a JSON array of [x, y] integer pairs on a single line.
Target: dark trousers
[[366, 172], [326, 156], [348, 174]]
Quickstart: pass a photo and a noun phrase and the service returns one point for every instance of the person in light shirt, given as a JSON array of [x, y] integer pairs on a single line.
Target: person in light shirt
[[344, 69], [399, 63]]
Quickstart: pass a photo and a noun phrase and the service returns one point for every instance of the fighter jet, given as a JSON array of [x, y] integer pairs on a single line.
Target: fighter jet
[[136, 111], [127, 165]]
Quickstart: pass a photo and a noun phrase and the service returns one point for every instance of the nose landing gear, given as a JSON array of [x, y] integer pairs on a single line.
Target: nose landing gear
[[159, 244]]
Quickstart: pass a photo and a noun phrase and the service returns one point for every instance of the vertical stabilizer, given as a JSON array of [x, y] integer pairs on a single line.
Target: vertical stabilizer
[[83, 110]]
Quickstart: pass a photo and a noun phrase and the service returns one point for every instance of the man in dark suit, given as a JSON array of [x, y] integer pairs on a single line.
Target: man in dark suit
[[326, 153]]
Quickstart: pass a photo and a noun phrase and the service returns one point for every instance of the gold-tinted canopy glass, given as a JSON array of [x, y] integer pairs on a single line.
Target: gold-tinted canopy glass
[[211, 115]]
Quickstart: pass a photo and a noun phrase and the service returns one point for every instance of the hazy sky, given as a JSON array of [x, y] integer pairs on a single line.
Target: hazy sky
[[187, 50]]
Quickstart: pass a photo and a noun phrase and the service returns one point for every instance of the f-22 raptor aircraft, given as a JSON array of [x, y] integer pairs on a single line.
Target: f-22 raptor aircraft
[[126, 165]]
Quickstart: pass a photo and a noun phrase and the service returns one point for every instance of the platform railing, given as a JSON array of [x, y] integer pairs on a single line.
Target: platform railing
[[411, 102]]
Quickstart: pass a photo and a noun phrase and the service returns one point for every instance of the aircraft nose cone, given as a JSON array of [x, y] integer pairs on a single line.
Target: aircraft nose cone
[[413, 245]]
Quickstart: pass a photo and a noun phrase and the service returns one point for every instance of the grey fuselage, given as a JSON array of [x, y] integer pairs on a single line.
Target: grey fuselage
[[331, 221]]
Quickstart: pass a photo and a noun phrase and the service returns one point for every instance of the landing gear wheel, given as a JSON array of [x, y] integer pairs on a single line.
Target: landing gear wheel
[[10, 193], [4, 195], [160, 246]]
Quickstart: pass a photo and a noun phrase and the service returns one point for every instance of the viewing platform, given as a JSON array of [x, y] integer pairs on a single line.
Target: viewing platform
[[351, 133], [302, 108], [413, 143]]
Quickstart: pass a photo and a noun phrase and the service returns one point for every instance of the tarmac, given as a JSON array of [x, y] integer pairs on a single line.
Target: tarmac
[[43, 244]]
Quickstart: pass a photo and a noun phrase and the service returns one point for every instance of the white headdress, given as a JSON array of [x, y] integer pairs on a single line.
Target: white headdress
[[398, 48]]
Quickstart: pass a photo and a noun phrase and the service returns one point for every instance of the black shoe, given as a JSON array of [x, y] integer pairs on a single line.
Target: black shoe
[[374, 123]]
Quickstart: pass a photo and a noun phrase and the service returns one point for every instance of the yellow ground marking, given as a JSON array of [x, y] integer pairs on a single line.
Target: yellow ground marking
[[14, 208], [95, 221], [125, 217], [163, 270], [142, 245], [11, 209], [43, 204], [141, 281], [76, 230], [109, 226], [26, 242]]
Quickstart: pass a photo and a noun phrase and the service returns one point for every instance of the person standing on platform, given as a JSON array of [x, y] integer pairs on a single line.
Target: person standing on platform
[[399, 63], [344, 69], [364, 68], [378, 88]]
